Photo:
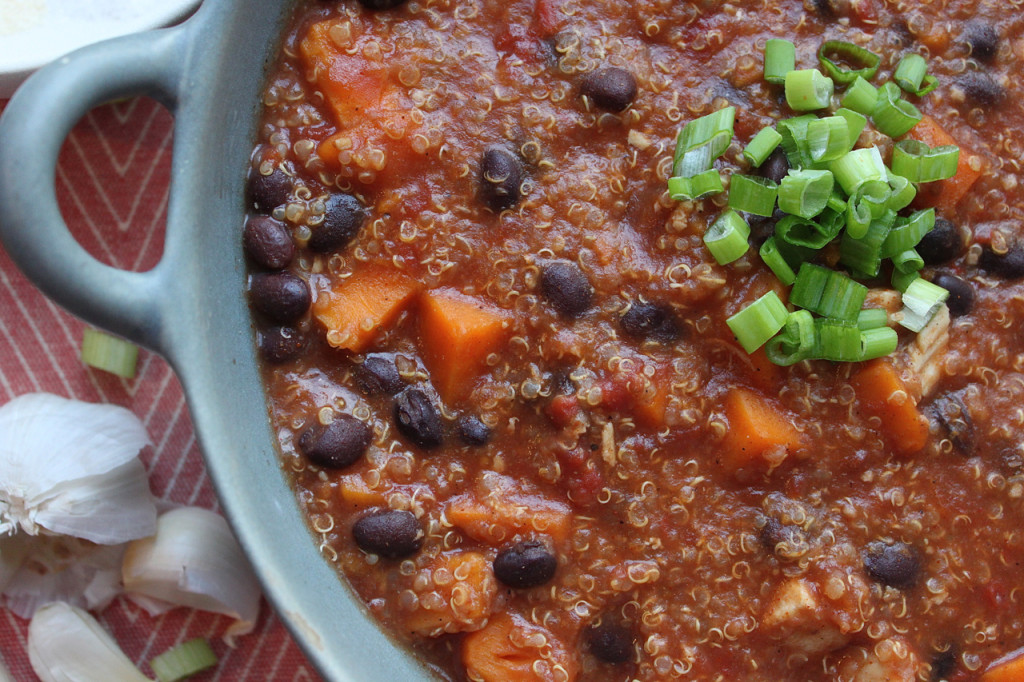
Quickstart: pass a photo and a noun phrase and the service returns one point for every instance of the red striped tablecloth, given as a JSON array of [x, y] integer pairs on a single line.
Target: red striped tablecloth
[[112, 183]]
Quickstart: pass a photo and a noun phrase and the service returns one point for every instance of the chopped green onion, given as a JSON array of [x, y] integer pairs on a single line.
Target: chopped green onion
[[109, 353], [797, 341], [855, 168], [861, 97], [808, 90], [908, 261], [184, 660], [901, 280], [779, 59], [774, 259], [726, 239], [828, 138], [910, 72], [703, 140], [753, 194], [794, 140], [908, 232], [858, 218], [902, 192], [759, 321], [805, 193], [697, 187], [852, 54], [838, 340], [842, 298], [921, 301], [809, 234], [917, 162], [877, 342], [863, 256], [761, 147], [809, 286], [855, 122], [911, 76], [894, 116], [872, 318], [836, 202]]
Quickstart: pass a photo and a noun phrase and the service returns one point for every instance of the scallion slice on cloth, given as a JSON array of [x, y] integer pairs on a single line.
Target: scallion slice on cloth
[[779, 59], [696, 187], [861, 97], [808, 90], [917, 162], [753, 194], [759, 321], [761, 147], [726, 239], [184, 660], [865, 62], [893, 115], [109, 353], [805, 193]]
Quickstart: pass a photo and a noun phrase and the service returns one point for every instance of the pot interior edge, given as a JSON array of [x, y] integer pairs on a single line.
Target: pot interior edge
[[213, 347]]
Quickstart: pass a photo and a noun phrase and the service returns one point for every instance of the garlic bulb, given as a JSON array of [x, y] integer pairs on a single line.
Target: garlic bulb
[[71, 468], [66, 644], [44, 568], [194, 560]]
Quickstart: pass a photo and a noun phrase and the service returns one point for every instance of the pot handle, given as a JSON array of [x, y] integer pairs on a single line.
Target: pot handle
[[33, 128]]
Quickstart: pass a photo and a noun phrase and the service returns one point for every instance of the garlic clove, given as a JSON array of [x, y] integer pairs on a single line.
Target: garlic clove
[[66, 644], [194, 560], [57, 568], [71, 467]]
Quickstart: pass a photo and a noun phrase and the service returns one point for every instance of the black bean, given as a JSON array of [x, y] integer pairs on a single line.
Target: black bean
[[610, 88], [944, 663], [894, 564], [566, 287], [380, 4], [961, 293], [344, 215], [562, 383], [268, 242], [267, 192], [983, 39], [418, 419], [281, 344], [774, 532], [980, 88], [610, 642], [942, 244], [953, 421], [472, 431], [775, 167], [763, 227], [378, 375], [338, 444], [282, 296], [390, 533], [501, 177], [1009, 265], [525, 564], [651, 321]]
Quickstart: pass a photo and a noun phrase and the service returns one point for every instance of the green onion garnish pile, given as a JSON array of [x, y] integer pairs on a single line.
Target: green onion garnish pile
[[833, 193]]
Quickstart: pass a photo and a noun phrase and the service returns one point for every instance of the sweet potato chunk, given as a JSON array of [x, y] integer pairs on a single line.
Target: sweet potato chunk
[[1009, 668], [883, 393], [457, 333], [355, 310], [511, 649], [759, 434], [459, 598], [495, 521]]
